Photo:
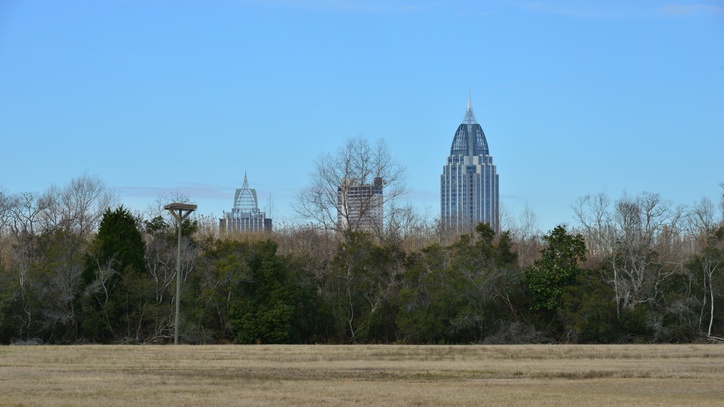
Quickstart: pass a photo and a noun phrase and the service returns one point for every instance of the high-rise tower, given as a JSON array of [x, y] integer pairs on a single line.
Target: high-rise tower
[[245, 216], [469, 181], [360, 206]]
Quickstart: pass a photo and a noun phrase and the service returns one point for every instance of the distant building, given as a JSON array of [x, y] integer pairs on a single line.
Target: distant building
[[245, 216], [469, 181], [359, 206]]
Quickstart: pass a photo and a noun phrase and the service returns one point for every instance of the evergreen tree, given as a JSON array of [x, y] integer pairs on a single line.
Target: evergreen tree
[[114, 277], [266, 300], [556, 269], [461, 293], [119, 243]]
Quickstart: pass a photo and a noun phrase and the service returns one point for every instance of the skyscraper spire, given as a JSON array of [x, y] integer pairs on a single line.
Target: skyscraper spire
[[469, 115]]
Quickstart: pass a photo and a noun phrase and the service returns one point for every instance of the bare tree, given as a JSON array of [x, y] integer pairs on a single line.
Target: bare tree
[[640, 239], [313, 246], [6, 205], [25, 213], [409, 228], [528, 237], [337, 198], [702, 216], [48, 233], [77, 207], [721, 201], [595, 216], [708, 237]]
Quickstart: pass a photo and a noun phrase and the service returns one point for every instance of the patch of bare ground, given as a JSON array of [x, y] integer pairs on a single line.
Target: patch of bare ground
[[549, 375]]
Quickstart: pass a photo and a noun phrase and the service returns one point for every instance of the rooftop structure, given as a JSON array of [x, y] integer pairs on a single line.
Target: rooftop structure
[[245, 216]]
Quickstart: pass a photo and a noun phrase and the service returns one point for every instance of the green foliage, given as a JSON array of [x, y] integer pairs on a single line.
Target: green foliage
[[11, 304], [7, 288], [705, 269], [556, 270], [485, 275], [221, 269], [116, 291], [58, 287], [156, 226], [589, 311], [59, 273], [459, 293], [361, 287], [264, 309], [427, 300], [118, 244], [45, 281]]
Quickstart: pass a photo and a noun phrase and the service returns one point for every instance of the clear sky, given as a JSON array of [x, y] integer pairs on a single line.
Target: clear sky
[[156, 96]]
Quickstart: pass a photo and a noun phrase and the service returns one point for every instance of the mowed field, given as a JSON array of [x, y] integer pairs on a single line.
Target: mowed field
[[362, 375]]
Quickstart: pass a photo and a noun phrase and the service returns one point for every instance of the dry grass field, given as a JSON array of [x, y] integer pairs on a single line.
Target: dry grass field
[[556, 375]]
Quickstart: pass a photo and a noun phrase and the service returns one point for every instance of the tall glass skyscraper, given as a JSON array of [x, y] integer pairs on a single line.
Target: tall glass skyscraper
[[469, 181]]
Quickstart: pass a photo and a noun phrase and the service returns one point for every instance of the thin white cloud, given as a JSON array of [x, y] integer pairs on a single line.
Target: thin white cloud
[[683, 9]]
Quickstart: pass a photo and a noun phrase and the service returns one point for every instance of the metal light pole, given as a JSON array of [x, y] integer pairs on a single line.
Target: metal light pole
[[178, 209]]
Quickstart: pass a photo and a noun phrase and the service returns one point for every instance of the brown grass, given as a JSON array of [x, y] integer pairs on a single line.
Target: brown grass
[[666, 375]]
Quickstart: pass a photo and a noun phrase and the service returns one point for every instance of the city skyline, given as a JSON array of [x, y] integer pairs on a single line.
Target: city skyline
[[155, 98]]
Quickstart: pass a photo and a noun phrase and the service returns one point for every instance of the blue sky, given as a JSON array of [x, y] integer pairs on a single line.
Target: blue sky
[[158, 96]]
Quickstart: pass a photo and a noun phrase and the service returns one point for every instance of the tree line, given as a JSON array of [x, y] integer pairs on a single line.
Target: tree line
[[77, 267]]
